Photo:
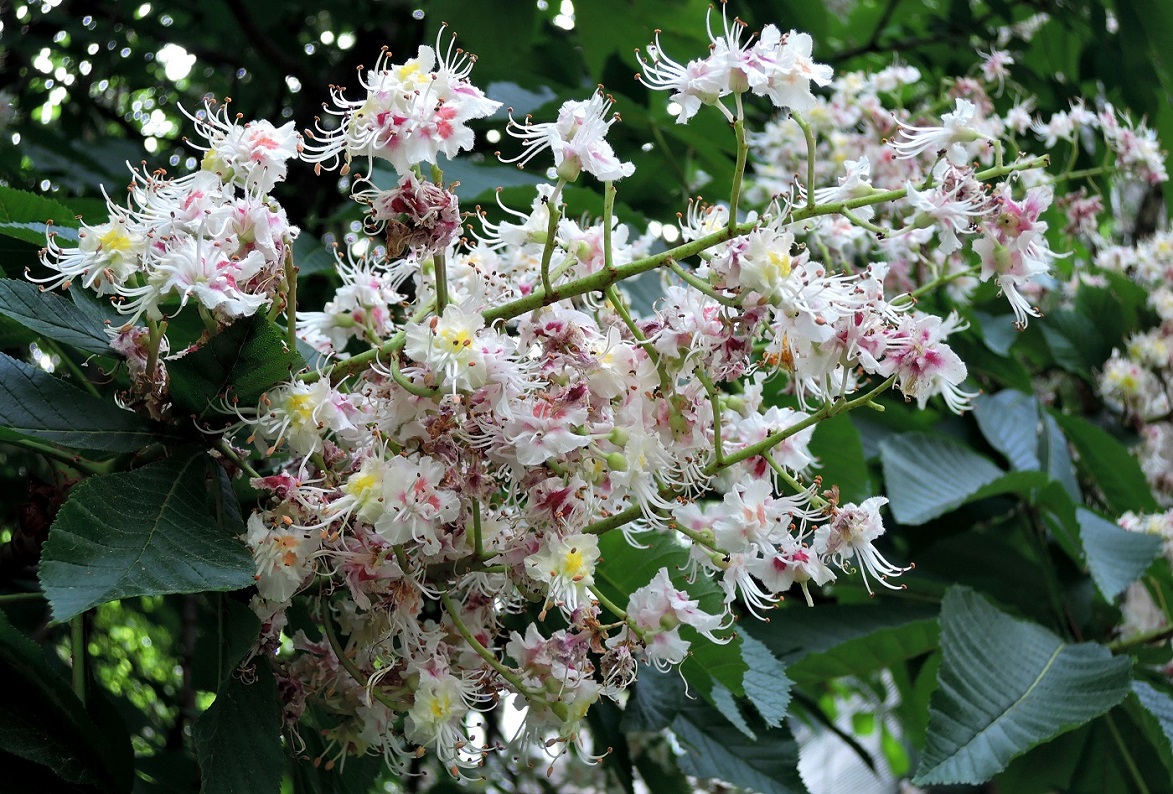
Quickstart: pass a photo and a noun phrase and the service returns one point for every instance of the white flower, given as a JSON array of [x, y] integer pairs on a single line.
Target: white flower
[[412, 112], [850, 533], [567, 566], [577, 140], [957, 129]]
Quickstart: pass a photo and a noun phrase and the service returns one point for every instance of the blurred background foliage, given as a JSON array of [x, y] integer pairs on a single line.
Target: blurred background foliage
[[87, 86]]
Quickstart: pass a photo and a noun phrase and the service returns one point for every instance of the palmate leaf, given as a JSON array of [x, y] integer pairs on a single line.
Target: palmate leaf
[[1009, 420], [159, 529], [1006, 685], [25, 216], [767, 763], [927, 476], [238, 739], [1115, 556], [833, 640], [34, 403], [42, 721], [1109, 463], [53, 316], [243, 362], [766, 684]]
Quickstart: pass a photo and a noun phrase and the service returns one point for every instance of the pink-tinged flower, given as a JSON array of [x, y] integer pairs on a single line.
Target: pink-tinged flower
[[923, 364], [658, 609], [1013, 249], [202, 270], [547, 426], [957, 129], [1018, 118], [996, 66], [703, 81], [776, 65], [577, 139], [850, 533], [360, 309], [951, 206], [752, 517], [412, 112], [793, 563], [415, 504], [254, 155], [416, 215], [1136, 146], [785, 62]]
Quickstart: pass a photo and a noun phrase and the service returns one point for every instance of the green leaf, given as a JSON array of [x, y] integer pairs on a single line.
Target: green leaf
[[25, 216], [1055, 457], [998, 331], [1107, 314], [243, 362], [726, 704], [478, 181], [623, 569], [42, 721], [36, 404], [835, 640], [795, 633], [768, 765], [1006, 685], [1075, 341], [1110, 465], [656, 702], [1152, 711], [928, 475], [1115, 556], [766, 684], [52, 316], [1009, 420], [151, 531], [658, 768], [238, 739], [837, 446], [881, 649], [602, 37], [1157, 703]]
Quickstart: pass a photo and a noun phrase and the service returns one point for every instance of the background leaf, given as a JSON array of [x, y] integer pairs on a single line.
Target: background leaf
[[1006, 685], [41, 720], [1115, 556], [147, 532], [1009, 420], [768, 764], [238, 739], [53, 316], [928, 475], [766, 684], [34, 403], [243, 361], [24, 216], [1110, 465]]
